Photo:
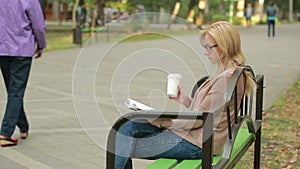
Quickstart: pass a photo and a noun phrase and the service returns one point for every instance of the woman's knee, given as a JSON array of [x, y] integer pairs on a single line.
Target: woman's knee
[[129, 127], [138, 128]]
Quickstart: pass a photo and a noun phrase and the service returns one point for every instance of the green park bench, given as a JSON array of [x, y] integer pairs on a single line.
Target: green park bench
[[240, 136], [96, 29]]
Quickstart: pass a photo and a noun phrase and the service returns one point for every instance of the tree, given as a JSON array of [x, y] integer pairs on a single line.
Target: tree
[[74, 13], [43, 5], [199, 4]]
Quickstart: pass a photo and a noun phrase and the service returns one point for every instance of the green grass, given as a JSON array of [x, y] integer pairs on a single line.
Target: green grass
[[143, 36], [59, 40], [61, 36], [280, 134], [59, 27]]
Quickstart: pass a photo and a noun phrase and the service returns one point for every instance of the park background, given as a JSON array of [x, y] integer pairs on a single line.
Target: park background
[[69, 28], [81, 18], [66, 17]]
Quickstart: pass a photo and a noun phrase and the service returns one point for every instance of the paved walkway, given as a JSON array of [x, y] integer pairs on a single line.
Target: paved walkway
[[69, 96]]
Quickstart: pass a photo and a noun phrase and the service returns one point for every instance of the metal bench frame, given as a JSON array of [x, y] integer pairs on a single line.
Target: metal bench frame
[[241, 114]]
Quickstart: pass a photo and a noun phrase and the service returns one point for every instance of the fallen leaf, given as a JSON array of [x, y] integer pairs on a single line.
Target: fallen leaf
[[284, 165], [272, 146], [282, 149], [293, 159], [265, 113]]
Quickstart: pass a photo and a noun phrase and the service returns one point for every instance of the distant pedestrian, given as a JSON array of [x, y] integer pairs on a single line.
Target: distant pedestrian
[[248, 14], [108, 11], [22, 36], [141, 10], [271, 17], [298, 16]]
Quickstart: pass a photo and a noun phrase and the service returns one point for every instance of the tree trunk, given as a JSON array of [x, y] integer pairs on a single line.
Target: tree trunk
[[43, 5], [191, 12], [174, 13], [200, 18], [291, 11], [240, 9], [260, 9], [55, 10], [206, 10], [74, 13], [221, 7], [201, 10], [100, 4], [94, 16]]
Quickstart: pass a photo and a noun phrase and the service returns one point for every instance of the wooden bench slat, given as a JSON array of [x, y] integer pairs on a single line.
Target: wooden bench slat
[[163, 163], [242, 139], [190, 164], [93, 29]]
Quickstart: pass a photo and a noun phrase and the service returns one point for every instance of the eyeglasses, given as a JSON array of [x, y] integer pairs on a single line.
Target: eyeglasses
[[209, 48]]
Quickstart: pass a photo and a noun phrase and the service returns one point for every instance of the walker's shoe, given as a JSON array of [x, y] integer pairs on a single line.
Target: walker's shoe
[[24, 135], [6, 142]]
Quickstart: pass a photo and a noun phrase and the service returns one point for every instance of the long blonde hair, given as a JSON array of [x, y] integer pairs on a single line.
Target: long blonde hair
[[227, 38]]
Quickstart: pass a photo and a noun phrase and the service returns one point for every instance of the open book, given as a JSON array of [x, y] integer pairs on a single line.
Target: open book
[[135, 105]]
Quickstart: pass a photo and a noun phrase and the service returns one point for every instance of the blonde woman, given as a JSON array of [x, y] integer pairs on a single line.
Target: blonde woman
[[182, 139]]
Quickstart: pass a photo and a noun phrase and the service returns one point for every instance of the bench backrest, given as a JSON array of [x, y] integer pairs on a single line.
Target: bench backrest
[[249, 105]]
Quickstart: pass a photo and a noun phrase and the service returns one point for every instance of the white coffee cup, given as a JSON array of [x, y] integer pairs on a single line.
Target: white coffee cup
[[174, 79]]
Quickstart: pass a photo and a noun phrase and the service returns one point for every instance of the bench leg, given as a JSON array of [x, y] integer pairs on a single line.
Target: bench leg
[[257, 150], [259, 109]]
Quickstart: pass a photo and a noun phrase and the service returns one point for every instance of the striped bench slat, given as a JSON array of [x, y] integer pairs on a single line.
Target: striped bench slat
[[187, 164], [242, 139], [163, 163]]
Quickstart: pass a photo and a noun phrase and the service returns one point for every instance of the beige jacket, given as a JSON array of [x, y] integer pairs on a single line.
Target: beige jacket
[[209, 97]]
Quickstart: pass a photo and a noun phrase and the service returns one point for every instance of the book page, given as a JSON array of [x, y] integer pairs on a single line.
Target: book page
[[135, 105]]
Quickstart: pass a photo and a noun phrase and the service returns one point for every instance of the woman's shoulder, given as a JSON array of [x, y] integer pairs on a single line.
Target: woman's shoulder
[[226, 73], [223, 77]]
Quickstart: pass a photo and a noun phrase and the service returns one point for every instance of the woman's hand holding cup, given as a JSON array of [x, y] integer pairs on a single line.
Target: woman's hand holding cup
[[174, 90]]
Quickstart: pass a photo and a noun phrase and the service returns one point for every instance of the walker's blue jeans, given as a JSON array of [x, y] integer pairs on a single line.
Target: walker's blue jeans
[[15, 71], [140, 139], [271, 25]]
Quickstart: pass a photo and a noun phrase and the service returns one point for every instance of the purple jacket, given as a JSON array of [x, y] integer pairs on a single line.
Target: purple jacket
[[22, 28]]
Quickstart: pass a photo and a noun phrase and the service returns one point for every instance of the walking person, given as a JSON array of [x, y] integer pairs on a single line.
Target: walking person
[[22, 37], [271, 17], [248, 14], [182, 139]]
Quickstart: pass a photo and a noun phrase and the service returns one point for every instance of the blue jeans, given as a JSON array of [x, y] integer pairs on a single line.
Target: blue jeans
[[271, 25], [140, 139], [15, 71]]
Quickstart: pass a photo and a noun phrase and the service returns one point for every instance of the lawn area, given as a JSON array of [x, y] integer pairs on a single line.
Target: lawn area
[[59, 40], [280, 134], [61, 36]]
